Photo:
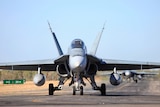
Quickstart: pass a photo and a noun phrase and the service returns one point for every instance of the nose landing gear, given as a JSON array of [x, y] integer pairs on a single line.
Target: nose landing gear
[[80, 89]]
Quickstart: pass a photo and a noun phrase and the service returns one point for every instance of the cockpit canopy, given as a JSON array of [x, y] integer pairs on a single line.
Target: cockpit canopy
[[77, 43]]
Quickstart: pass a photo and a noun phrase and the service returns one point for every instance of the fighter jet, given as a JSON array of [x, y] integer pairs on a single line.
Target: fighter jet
[[132, 74], [76, 66]]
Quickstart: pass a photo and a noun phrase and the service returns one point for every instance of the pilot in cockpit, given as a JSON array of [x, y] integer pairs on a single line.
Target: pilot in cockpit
[[77, 43]]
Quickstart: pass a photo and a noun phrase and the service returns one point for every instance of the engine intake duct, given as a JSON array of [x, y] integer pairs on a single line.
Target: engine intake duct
[[62, 70]]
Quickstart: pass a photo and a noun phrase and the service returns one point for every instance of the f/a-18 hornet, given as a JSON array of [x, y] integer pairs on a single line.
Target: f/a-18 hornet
[[136, 76], [76, 66]]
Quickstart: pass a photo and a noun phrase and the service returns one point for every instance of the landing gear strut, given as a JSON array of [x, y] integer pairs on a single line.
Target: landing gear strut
[[52, 89], [102, 89]]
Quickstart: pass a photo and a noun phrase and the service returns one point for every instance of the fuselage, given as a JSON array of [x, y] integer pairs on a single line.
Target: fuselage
[[77, 56], [129, 73]]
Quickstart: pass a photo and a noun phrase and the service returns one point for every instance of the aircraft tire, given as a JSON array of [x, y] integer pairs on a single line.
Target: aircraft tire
[[136, 81], [103, 89], [51, 89], [81, 90], [74, 90]]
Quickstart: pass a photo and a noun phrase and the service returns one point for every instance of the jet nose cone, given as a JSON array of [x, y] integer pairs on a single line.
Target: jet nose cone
[[77, 63], [127, 73]]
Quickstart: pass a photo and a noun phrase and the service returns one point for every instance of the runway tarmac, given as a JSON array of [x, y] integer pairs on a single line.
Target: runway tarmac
[[127, 94]]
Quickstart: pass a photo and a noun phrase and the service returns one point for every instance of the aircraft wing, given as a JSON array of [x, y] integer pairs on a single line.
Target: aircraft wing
[[109, 64], [103, 64], [46, 65], [146, 73]]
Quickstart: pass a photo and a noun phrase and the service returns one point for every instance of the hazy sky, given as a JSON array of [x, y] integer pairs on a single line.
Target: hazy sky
[[132, 30]]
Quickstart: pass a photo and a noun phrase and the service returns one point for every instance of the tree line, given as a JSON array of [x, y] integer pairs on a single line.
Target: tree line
[[27, 75]]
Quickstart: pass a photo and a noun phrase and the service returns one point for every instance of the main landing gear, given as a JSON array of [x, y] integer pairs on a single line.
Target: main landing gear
[[52, 89], [103, 89], [78, 86]]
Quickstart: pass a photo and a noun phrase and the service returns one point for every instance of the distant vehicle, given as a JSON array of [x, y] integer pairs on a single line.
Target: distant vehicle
[[77, 65], [128, 74]]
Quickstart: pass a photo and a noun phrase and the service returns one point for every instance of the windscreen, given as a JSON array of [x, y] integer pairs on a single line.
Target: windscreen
[[77, 43]]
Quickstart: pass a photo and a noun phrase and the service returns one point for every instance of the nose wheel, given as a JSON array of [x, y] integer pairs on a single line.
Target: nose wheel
[[80, 89]]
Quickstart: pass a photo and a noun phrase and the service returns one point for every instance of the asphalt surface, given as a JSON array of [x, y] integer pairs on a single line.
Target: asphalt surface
[[144, 93]]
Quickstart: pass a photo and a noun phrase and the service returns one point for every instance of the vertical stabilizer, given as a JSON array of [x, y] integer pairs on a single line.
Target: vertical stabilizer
[[96, 42], [56, 41]]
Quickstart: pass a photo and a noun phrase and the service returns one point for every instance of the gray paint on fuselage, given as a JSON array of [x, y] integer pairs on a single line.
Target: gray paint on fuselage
[[77, 56]]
